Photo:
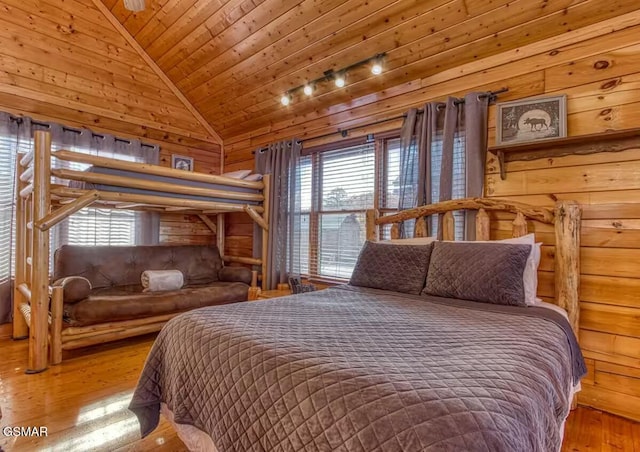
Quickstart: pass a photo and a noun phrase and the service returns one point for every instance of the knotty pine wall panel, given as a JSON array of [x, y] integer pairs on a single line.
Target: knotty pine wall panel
[[64, 62], [596, 67]]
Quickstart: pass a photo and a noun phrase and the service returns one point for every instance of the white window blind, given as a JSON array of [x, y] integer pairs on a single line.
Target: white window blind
[[7, 201], [458, 181], [346, 190], [337, 188], [94, 226]]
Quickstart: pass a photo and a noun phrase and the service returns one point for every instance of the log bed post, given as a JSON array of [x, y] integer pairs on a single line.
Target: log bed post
[[448, 226], [567, 260], [371, 226], [519, 227], [20, 327], [55, 334], [420, 229], [254, 290], [38, 330], [395, 231], [483, 231]]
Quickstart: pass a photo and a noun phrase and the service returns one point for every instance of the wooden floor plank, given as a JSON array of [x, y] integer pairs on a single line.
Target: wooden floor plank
[[83, 402]]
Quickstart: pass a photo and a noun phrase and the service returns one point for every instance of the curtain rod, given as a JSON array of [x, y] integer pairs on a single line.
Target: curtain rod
[[492, 95], [78, 131]]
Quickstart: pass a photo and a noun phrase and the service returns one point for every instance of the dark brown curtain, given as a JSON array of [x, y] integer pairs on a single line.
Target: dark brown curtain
[[280, 160], [417, 136], [437, 144], [475, 131]]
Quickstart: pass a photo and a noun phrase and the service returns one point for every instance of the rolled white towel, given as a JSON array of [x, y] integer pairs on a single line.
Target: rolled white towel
[[157, 280]]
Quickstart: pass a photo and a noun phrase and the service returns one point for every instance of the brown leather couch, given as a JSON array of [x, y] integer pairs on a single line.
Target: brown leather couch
[[114, 292], [97, 290]]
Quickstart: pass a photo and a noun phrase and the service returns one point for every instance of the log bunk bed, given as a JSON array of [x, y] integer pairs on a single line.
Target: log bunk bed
[[41, 204]]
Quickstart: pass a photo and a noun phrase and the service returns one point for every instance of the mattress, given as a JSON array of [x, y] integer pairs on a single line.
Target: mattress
[[155, 178], [365, 370]]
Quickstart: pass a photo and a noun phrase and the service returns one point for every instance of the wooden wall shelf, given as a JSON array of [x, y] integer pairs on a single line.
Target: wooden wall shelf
[[614, 141]]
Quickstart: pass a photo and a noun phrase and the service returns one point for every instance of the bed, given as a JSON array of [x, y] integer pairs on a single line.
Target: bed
[[47, 195], [362, 368]]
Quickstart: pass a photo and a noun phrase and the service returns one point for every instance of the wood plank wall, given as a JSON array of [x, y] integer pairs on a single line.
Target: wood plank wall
[[598, 68], [64, 62]]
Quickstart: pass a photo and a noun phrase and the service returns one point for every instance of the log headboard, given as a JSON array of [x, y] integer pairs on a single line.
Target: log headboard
[[565, 217]]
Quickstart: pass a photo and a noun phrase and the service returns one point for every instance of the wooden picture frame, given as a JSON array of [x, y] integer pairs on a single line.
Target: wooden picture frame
[[181, 162], [532, 119]]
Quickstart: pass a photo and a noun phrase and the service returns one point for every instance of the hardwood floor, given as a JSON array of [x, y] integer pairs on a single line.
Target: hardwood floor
[[83, 403]]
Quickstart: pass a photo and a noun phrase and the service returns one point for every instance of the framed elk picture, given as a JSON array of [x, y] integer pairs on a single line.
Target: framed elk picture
[[534, 119]]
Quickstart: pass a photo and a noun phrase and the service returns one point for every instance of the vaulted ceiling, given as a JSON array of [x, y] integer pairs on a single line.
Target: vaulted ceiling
[[233, 59]]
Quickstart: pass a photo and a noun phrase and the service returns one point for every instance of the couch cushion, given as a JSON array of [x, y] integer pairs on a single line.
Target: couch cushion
[[111, 266], [129, 302]]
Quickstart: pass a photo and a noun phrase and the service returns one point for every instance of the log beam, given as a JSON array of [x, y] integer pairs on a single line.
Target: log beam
[[535, 213], [210, 224], [67, 210], [256, 217]]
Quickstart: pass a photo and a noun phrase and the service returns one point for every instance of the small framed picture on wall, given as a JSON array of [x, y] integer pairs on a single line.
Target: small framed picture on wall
[[534, 119], [181, 162]]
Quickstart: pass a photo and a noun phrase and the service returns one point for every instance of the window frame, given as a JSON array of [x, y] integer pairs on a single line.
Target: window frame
[[380, 149]]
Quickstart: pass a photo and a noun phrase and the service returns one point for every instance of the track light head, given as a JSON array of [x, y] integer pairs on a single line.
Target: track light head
[[376, 67], [285, 99], [339, 80], [308, 89]]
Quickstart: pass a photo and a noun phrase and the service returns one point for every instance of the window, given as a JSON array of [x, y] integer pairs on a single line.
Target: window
[[94, 226], [339, 185], [90, 226]]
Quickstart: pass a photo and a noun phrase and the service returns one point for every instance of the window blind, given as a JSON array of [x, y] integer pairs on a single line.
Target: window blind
[[93, 226], [7, 201], [337, 187], [458, 181]]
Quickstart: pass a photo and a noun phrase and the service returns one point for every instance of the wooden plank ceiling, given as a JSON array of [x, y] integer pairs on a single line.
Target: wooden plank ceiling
[[64, 61], [233, 59]]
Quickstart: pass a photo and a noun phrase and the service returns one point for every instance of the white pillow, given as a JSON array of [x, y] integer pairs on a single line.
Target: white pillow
[[240, 174], [254, 177], [409, 241]]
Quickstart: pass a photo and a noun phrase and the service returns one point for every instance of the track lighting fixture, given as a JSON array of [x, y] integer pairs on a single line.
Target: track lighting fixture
[[338, 77]]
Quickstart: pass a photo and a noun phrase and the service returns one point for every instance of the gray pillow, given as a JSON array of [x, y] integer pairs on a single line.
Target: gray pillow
[[400, 268], [486, 272]]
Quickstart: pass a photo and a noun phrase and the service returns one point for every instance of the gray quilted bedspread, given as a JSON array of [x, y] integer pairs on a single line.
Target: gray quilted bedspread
[[351, 369]]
